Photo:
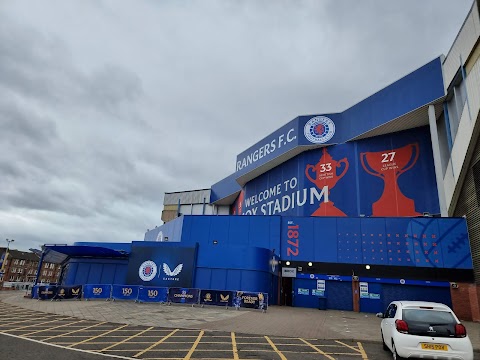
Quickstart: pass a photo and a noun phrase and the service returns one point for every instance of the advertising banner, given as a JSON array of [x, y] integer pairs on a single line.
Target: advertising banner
[[161, 265], [152, 294], [183, 295], [69, 292], [217, 297], [251, 300], [97, 291], [124, 292], [390, 175], [46, 292]]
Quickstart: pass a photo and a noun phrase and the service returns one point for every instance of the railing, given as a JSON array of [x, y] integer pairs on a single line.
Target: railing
[[162, 295]]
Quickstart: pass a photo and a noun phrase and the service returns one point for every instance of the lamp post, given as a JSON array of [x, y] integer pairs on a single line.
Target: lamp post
[[8, 243]]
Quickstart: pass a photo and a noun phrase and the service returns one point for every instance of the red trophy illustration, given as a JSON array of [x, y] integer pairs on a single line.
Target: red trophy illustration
[[388, 165], [326, 175]]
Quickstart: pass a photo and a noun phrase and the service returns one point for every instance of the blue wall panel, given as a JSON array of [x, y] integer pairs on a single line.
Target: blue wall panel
[[234, 280], [324, 250], [108, 274], [203, 277], [300, 297], [349, 241], [218, 279], [374, 247], [95, 273]]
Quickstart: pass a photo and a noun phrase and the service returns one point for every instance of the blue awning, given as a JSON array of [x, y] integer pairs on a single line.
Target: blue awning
[[59, 253]]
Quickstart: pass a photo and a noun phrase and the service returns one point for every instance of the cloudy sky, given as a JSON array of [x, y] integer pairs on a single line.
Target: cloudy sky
[[106, 105]]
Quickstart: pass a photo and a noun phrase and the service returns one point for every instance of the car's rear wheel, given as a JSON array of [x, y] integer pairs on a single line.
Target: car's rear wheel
[[385, 347], [394, 352]]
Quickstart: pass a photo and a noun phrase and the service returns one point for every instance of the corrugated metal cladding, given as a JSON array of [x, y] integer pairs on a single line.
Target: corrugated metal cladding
[[187, 197], [465, 41], [469, 205]]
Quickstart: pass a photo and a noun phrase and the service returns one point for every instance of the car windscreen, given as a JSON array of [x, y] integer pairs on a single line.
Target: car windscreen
[[428, 316]]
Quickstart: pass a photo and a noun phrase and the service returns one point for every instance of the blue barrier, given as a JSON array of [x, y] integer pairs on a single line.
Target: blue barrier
[[69, 292], [217, 297], [152, 294], [183, 295], [252, 300], [125, 292], [97, 291], [35, 291], [47, 292]]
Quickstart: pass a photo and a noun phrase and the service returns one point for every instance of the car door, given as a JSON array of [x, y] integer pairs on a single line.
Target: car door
[[389, 324]]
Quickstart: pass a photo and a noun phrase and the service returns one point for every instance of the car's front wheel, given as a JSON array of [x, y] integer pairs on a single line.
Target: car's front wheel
[[394, 352]]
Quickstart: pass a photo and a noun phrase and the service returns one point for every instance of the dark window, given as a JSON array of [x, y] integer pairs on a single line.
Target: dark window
[[428, 316], [391, 310]]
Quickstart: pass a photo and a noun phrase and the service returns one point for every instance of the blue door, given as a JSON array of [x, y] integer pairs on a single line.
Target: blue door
[[339, 295], [392, 292]]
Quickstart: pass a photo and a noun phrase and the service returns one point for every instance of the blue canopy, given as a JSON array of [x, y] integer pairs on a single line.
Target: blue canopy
[[59, 253]]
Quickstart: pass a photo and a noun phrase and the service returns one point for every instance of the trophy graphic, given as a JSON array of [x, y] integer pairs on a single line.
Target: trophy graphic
[[389, 165], [326, 175]]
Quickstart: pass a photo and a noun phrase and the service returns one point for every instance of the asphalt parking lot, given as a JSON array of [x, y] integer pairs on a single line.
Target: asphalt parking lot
[[148, 342]]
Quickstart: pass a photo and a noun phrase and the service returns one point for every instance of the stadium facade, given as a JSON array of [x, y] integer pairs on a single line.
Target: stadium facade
[[372, 204]]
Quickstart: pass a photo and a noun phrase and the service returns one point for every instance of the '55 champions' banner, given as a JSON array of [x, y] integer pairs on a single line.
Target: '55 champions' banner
[[162, 265]]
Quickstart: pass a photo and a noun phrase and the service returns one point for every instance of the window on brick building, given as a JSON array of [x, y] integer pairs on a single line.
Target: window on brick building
[[22, 262], [13, 271], [15, 262]]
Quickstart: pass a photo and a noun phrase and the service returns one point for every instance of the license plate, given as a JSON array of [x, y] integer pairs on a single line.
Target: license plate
[[428, 346]]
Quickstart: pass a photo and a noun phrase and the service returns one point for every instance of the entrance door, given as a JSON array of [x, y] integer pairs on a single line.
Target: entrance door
[[286, 293]]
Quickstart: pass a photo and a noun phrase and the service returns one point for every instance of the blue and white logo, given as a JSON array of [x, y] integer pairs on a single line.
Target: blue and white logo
[[147, 270], [319, 130]]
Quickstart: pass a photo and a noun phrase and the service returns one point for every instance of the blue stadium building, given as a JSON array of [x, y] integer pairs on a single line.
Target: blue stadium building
[[346, 210]]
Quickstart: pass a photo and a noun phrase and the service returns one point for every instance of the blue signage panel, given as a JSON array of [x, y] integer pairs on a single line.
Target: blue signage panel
[[183, 295], [217, 297], [161, 265], [124, 292], [97, 291], [251, 300], [47, 292], [276, 144], [391, 175], [152, 294], [69, 292]]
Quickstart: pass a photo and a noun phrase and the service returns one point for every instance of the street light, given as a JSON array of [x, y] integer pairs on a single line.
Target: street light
[[8, 243]]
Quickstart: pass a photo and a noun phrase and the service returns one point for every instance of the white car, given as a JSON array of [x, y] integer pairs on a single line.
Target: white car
[[427, 330]]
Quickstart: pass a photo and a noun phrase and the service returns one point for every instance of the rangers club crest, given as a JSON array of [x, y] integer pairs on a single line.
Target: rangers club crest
[[319, 130], [147, 270]]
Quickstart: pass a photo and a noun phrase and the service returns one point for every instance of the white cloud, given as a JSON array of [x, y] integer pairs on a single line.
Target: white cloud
[[104, 106]]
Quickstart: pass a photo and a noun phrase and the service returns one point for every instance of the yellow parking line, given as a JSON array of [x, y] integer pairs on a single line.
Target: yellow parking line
[[19, 322], [194, 346], [316, 348], [155, 344], [275, 348], [234, 346], [24, 327], [351, 347], [364, 354], [95, 337], [48, 329], [74, 331], [131, 337]]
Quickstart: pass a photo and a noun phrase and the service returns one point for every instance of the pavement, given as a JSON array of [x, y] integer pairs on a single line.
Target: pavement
[[277, 321]]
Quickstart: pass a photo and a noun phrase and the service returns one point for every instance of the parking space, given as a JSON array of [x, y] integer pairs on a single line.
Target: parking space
[[143, 342]]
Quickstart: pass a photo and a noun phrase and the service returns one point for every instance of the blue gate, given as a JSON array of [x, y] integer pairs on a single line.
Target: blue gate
[[339, 295]]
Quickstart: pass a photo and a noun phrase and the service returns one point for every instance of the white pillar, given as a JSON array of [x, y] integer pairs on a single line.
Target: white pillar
[[437, 159]]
